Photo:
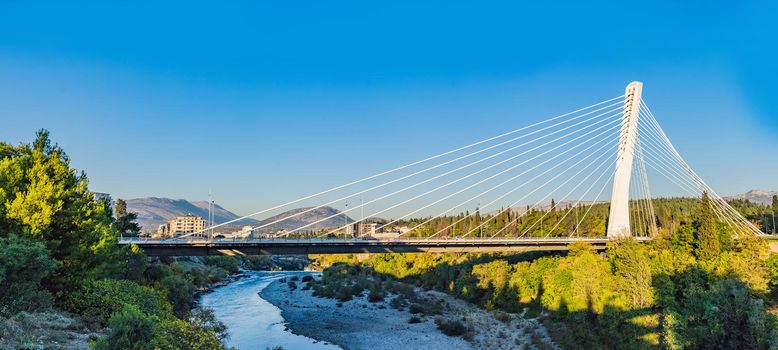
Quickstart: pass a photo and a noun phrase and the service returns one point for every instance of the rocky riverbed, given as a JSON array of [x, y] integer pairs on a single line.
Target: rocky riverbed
[[360, 324]]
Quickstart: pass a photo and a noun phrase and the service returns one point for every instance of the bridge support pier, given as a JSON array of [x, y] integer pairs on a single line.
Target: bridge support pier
[[618, 220]]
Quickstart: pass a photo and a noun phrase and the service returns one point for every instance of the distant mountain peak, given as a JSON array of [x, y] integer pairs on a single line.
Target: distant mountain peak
[[757, 192], [155, 211], [756, 196]]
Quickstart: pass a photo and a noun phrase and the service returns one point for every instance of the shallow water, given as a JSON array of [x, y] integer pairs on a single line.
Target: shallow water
[[254, 323]]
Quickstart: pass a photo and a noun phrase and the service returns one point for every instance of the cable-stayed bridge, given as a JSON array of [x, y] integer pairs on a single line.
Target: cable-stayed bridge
[[496, 194]]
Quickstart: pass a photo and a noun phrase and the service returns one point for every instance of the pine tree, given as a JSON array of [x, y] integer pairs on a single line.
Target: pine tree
[[51, 203], [775, 210], [121, 208], [708, 244]]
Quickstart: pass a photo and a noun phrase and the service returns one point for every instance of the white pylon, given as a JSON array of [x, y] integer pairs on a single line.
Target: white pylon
[[618, 220]]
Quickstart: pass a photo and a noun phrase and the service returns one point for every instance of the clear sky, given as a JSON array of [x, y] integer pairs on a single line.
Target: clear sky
[[262, 101]]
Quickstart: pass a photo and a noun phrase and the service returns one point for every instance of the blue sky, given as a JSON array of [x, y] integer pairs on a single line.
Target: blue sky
[[261, 102]]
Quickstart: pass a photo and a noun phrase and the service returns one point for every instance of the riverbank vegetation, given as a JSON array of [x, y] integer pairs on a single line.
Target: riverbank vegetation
[[58, 256], [694, 287]]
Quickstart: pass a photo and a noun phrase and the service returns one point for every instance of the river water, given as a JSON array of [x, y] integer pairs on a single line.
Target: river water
[[254, 323]]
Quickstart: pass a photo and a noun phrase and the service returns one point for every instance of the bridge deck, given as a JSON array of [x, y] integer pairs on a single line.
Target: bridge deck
[[346, 246]]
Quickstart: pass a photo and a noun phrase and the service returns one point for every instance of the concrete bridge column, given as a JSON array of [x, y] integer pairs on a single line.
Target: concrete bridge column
[[618, 220]]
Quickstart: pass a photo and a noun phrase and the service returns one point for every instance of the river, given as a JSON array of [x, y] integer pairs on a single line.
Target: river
[[254, 323]]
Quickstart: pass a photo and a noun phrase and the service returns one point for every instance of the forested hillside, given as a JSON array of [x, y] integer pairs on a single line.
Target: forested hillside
[[588, 220]]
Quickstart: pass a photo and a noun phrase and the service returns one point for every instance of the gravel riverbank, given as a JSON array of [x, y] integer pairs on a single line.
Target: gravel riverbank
[[359, 324]]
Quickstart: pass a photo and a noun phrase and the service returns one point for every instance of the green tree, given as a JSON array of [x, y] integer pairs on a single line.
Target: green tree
[[581, 281], [43, 198], [125, 222], [205, 319], [121, 208], [180, 293], [135, 263], [632, 272], [23, 264], [771, 267], [708, 244], [775, 213]]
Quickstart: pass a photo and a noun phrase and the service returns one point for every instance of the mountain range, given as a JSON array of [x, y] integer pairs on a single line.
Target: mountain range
[[756, 196], [155, 211]]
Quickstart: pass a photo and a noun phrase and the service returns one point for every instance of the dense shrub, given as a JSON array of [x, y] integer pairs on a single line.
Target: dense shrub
[[23, 264], [452, 328], [502, 316], [343, 294], [130, 328], [323, 291], [180, 293], [416, 309], [375, 295], [228, 263], [257, 262], [97, 300], [398, 302], [205, 319], [156, 272]]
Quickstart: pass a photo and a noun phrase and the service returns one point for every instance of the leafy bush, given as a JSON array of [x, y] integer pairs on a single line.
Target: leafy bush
[[307, 278], [375, 295], [205, 319], [133, 329], [156, 272], [343, 294], [398, 302], [228, 263], [292, 285], [416, 309], [97, 300], [180, 293], [451, 328], [128, 329], [414, 319], [323, 291], [502, 316], [257, 262], [23, 264]]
